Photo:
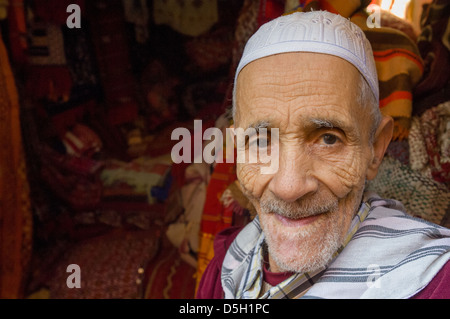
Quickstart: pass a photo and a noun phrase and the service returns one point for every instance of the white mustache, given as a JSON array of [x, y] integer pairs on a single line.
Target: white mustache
[[299, 209]]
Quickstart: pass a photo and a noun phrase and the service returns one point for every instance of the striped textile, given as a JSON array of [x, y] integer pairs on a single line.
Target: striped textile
[[399, 68], [387, 254]]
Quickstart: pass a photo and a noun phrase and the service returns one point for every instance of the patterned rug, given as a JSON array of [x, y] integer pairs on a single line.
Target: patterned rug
[[111, 266]]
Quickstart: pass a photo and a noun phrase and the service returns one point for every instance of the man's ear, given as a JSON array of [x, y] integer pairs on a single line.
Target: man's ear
[[381, 141]]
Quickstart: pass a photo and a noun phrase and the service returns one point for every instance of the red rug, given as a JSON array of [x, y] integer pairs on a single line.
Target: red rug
[[112, 266]]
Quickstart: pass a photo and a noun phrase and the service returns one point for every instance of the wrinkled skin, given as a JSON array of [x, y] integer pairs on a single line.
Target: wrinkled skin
[[307, 205]]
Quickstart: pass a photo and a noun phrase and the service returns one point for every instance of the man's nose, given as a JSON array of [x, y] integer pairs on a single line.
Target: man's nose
[[294, 178]]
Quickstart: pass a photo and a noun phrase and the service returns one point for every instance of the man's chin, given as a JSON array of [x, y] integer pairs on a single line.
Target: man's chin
[[304, 247]]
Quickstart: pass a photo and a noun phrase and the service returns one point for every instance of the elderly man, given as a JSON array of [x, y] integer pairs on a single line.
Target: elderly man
[[317, 234]]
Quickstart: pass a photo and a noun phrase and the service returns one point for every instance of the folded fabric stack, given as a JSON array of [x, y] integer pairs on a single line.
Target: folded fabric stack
[[136, 179], [70, 168]]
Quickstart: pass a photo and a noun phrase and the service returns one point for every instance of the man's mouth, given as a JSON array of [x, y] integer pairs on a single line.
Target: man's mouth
[[297, 222]]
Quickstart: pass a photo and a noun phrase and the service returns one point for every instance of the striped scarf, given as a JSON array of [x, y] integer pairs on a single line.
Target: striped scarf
[[386, 254]]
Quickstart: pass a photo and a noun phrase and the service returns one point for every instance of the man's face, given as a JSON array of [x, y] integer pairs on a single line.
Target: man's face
[[306, 206]]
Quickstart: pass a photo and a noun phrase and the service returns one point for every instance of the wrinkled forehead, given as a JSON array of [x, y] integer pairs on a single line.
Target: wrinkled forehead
[[295, 65], [294, 77]]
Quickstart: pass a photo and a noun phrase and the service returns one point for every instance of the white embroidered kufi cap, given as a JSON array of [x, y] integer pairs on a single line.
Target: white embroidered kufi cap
[[315, 31]]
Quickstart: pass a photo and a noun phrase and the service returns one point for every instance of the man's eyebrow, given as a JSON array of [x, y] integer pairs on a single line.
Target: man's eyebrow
[[259, 125], [346, 128], [255, 127], [319, 123]]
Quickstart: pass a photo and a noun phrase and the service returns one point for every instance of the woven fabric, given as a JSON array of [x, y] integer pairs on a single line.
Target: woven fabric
[[429, 143], [417, 148], [420, 194], [399, 68], [435, 129]]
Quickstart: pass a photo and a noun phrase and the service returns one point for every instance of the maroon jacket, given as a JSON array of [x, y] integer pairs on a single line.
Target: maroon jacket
[[210, 286]]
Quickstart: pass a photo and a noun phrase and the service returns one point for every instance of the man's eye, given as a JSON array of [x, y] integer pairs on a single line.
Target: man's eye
[[330, 139], [263, 142], [259, 142]]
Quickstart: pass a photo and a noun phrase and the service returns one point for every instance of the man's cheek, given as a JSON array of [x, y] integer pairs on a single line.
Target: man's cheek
[[251, 179], [342, 176]]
